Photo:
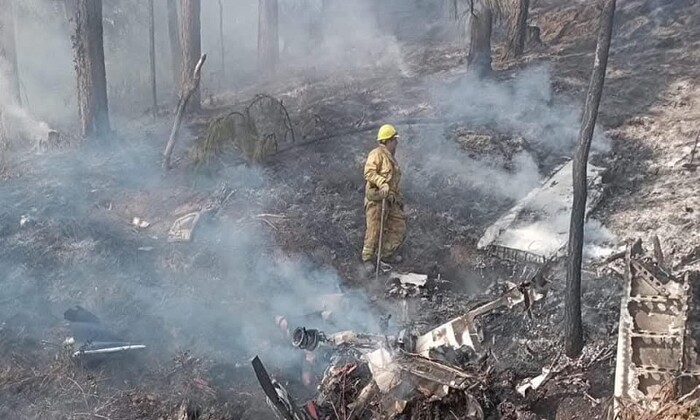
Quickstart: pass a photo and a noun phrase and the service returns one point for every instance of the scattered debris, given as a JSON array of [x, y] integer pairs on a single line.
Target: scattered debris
[[140, 223], [278, 398], [183, 228], [407, 285], [25, 220], [418, 280], [393, 375], [401, 374], [466, 330], [393, 372], [534, 383], [90, 339]]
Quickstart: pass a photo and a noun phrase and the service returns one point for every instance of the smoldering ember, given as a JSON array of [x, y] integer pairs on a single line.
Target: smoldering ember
[[367, 209]]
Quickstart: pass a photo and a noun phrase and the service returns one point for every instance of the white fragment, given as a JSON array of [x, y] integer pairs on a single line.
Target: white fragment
[[418, 280], [140, 223], [534, 383]]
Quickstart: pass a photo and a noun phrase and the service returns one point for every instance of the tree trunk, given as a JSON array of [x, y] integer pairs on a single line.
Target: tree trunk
[[479, 58], [8, 50], [173, 34], [221, 41], [190, 41], [518, 30], [152, 55], [89, 59], [573, 326], [268, 37]]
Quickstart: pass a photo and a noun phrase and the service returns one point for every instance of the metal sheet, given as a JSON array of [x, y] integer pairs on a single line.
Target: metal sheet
[[537, 226]]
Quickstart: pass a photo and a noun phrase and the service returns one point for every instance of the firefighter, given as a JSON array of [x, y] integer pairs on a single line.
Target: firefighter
[[382, 176]]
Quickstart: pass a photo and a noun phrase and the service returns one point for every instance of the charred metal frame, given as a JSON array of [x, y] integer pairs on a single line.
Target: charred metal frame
[[656, 349]]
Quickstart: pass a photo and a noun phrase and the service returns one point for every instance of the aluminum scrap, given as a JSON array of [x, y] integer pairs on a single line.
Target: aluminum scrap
[[656, 348]]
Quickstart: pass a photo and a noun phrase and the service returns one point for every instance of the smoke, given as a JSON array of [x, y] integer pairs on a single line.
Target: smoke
[[522, 106], [217, 296], [15, 121], [337, 36], [46, 74], [235, 314], [220, 295], [432, 159], [315, 40], [67, 239]]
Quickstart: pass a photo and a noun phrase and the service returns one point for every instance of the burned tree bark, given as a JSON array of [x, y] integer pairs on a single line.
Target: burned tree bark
[[152, 55], [8, 50], [174, 36], [573, 326], [268, 36], [191, 44], [89, 58], [518, 29], [481, 26]]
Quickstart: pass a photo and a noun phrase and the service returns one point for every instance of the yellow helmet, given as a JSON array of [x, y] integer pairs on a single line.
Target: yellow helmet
[[386, 132]]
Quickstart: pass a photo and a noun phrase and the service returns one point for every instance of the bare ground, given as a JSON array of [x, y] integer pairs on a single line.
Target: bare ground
[[79, 246]]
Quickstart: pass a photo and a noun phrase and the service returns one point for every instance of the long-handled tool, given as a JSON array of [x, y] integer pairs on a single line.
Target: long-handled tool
[[381, 241]]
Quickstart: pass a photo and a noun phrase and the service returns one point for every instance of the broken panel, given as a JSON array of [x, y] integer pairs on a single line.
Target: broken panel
[[537, 227], [656, 343]]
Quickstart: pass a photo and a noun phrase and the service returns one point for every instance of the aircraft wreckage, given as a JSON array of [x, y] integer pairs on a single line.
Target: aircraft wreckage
[[530, 230], [657, 346], [401, 366]]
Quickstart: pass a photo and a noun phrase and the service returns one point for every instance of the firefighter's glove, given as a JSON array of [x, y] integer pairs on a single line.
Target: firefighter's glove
[[384, 191]]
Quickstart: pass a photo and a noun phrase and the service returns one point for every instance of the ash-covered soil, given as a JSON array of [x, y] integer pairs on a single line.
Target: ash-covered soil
[[290, 229]]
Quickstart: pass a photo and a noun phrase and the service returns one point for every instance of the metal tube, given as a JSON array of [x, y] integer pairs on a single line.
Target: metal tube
[[381, 241]]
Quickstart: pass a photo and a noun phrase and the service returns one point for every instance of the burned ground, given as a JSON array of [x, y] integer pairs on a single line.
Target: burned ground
[[293, 226]]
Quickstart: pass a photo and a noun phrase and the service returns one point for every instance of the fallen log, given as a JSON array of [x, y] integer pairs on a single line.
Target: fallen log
[[182, 104]]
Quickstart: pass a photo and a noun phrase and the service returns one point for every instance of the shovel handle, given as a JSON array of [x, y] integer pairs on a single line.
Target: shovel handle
[[381, 240]]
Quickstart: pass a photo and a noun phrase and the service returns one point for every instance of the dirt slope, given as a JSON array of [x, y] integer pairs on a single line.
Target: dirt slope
[[650, 108], [79, 246]]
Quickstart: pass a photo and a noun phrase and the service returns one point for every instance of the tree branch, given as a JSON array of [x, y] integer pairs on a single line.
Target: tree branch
[[182, 104]]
